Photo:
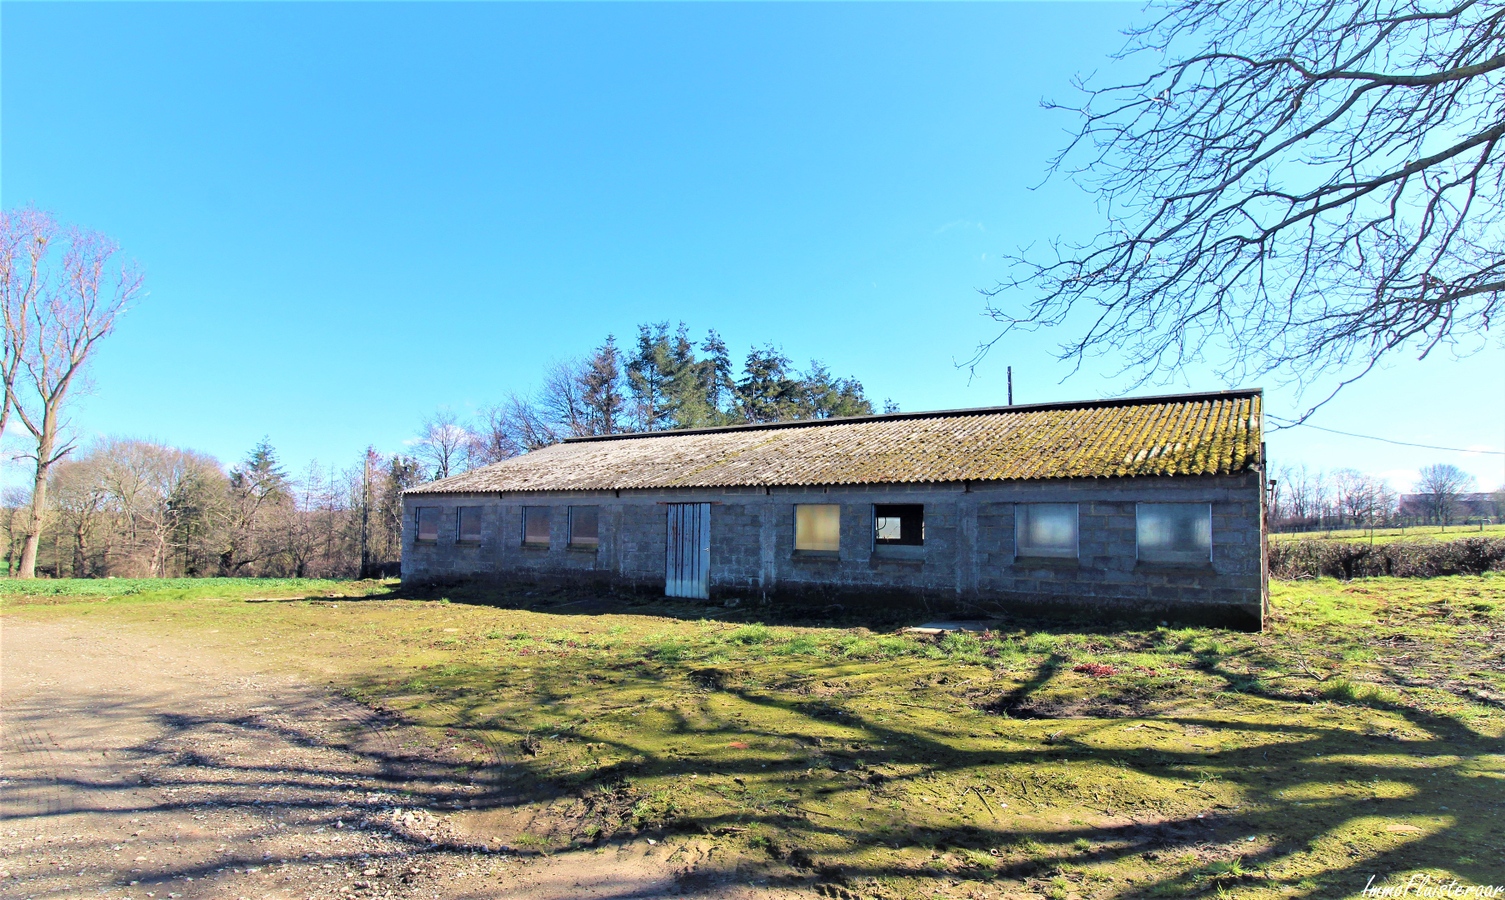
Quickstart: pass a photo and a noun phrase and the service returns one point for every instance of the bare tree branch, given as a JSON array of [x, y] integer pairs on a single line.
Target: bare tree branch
[[1316, 186]]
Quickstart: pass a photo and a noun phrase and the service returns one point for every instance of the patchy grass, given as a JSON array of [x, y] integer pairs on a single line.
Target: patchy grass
[[1364, 734], [1419, 533], [43, 590]]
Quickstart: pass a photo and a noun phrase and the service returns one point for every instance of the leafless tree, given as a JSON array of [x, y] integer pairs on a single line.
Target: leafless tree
[[561, 400], [25, 235], [80, 290], [442, 443], [83, 503], [517, 425], [1294, 189], [1361, 498], [1443, 484]]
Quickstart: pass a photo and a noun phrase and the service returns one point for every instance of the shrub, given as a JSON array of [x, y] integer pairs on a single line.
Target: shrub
[[1402, 559]]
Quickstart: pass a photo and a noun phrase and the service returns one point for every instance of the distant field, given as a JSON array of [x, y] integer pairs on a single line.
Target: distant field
[[1421, 533], [1363, 735]]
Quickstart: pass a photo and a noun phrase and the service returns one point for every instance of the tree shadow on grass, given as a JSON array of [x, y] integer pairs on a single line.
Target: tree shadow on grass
[[1302, 802]]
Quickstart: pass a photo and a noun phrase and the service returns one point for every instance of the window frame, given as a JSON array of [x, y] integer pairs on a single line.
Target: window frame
[[461, 518], [418, 512], [888, 548], [575, 542], [547, 513], [1021, 514], [1186, 560], [798, 551]]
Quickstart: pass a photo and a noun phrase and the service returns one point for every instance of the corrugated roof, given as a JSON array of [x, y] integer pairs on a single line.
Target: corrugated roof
[[1185, 434]]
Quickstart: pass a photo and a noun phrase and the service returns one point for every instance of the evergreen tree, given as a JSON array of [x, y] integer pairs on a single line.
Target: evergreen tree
[[690, 403], [601, 391], [258, 486], [824, 397], [766, 392], [647, 377], [716, 376]]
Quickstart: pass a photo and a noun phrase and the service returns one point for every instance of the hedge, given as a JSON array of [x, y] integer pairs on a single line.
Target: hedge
[[1404, 559]]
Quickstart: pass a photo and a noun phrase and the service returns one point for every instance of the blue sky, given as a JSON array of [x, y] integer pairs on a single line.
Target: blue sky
[[352, 214]]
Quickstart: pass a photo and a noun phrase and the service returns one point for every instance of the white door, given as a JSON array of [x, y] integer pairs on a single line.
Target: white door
[[689, 558]]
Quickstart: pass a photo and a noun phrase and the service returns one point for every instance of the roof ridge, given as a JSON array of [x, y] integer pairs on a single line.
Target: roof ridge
[[932, 414]]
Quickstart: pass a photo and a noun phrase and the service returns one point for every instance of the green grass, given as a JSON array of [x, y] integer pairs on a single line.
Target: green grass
[[156, 589], [1364, 733], [1419, 533]]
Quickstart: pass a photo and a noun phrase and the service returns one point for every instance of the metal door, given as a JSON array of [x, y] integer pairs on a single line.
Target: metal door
[[689, 558]]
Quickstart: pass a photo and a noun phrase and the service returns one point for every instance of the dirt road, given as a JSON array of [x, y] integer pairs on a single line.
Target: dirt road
[[131, 766]]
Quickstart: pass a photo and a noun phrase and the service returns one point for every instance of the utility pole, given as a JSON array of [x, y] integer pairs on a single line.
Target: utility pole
[[1011, 385], [366, 515]]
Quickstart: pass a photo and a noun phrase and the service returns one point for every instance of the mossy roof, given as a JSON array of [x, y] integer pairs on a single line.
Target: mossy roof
[[1185, 434]]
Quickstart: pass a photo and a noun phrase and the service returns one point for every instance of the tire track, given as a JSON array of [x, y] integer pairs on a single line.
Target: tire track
[[32, 776]]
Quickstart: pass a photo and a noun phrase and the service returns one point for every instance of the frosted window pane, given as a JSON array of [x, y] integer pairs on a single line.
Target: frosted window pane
[[536, 525], [470, 523], [1175, 532], [428, 523], [1047, 529], [817, 527], [583, 524]]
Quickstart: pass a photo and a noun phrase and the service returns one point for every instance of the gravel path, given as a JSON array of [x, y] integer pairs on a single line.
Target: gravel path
[[132, 766]]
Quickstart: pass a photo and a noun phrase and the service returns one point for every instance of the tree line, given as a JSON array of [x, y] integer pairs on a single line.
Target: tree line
[[1303, 498], [664, 380], [134, 508], [123, 507]]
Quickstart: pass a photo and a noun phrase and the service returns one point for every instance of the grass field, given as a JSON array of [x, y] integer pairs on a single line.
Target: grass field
[[1363, 735], [1421, 533]]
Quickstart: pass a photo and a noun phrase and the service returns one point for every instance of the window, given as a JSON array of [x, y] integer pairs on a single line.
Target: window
[[1045, 529], [469, 526], [1175, 532], [817, 528], [898, 524], [536, 526], [583, 526], [427, 520]]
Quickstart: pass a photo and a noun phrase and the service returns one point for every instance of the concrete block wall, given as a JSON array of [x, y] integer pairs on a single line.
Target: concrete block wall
[[968, 555]]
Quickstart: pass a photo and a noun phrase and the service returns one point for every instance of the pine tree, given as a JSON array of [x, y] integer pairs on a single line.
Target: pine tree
[[716, 376], [602, 389], [647, 377], [824, 397], [766, 393]]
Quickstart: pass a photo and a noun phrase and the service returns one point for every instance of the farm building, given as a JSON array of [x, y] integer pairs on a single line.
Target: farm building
[[1151, 506]]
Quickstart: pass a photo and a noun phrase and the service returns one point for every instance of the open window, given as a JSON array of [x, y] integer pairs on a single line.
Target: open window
[[1046, 530], [426, 519], [536, 526], [1174, 533], [817, 529], [469, 526], [584, 521], [898, 524]]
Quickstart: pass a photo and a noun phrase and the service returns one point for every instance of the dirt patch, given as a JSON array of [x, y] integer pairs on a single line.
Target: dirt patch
[[138, 767]]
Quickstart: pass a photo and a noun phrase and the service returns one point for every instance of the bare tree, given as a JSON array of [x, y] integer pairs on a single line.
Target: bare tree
[[82, 502], [1302, 188], [516, 425], [1361, 498], [442, 443], [79, 291], [562, 399], [25, 235], [1443, 484]]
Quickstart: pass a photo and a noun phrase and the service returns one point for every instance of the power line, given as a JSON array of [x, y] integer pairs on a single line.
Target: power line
[[1370, 437]]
